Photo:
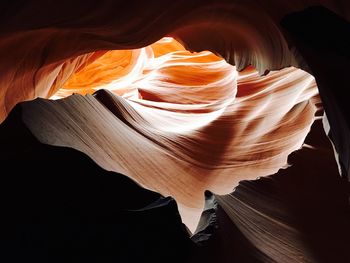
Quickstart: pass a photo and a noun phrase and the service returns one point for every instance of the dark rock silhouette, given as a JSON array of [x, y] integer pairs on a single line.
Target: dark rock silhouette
[[59, 206], [323, 40]]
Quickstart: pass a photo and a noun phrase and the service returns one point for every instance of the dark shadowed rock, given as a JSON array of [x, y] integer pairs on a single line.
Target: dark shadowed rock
[[59, 206]]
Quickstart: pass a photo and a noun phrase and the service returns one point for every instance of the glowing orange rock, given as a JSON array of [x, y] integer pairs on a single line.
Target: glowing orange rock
[[193, 122]]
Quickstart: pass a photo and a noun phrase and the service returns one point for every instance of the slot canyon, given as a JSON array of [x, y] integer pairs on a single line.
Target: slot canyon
[[175, 131]]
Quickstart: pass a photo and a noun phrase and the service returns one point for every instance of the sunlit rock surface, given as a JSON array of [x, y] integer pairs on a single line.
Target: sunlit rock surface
[[54, 43], [186, 122], [181, 123], [300, 214]]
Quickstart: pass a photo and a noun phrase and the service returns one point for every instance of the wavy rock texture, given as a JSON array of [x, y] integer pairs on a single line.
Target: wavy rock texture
[[186, 120], [51, 45], [54, 44], [181, 123], [300, 214]]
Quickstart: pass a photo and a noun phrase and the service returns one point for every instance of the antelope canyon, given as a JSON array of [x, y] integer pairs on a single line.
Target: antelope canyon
[[175, 131]]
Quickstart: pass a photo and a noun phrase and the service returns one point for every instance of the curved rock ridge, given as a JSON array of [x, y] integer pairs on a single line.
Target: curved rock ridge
[[261, 221], [179, 117], [55, 43], [179, 131], [300, 214]]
